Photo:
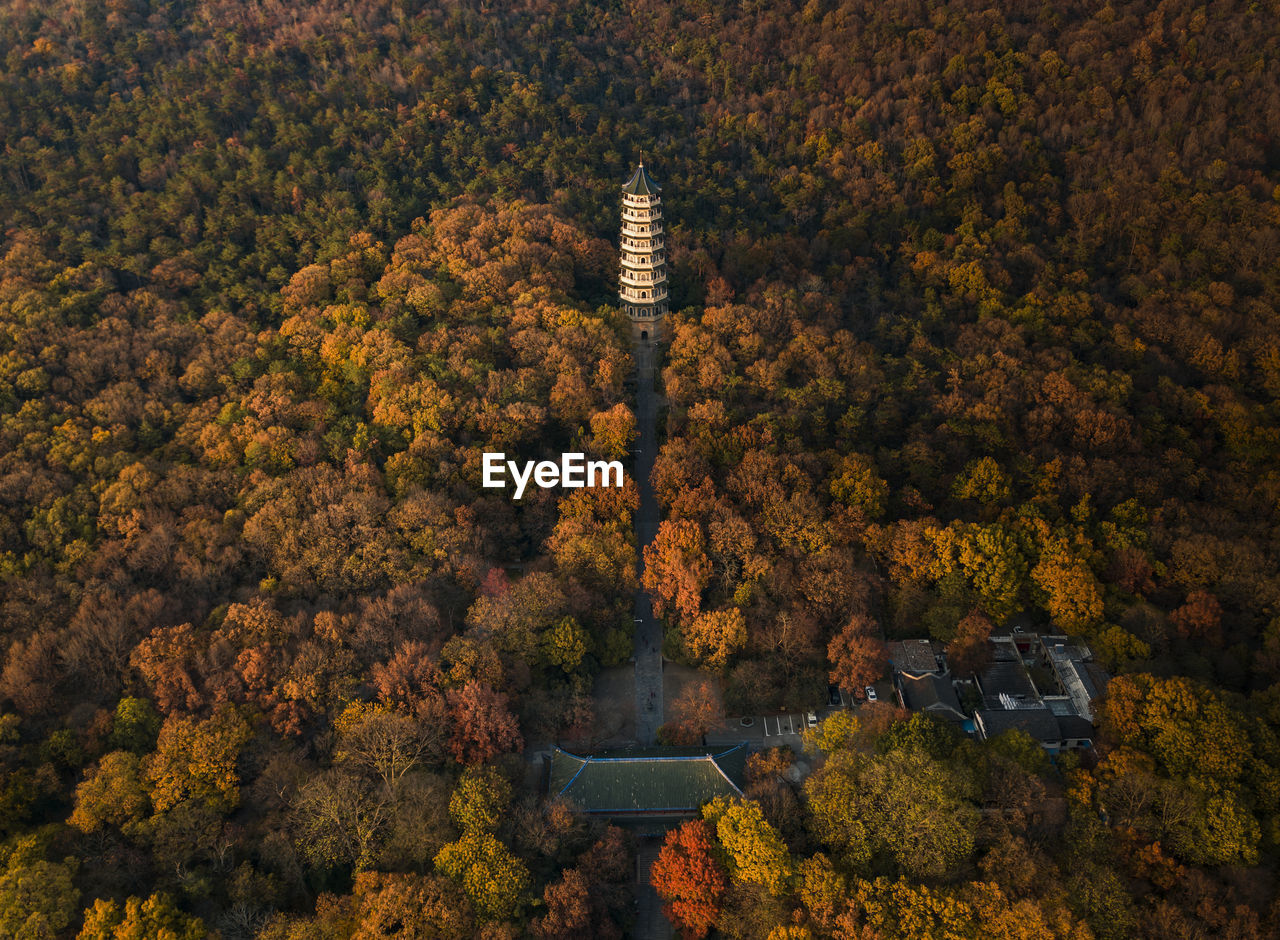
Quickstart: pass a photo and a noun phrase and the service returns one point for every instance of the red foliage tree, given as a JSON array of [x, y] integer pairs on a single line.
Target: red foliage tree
[[410, 678], [970, 651], [167, 661], [1132, 570], [858, 656], [1199, 618], [688, 878], [696, 710], [569, 910], [482, 725]]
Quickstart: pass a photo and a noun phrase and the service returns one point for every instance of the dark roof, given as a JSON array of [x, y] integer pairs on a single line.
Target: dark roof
[[913, 656], [641, 184], [1060, 706], [1082, 680], [1098, 676], [1073, 726], [930, 693], [1005, 675], [671, 780], [1040, 723]]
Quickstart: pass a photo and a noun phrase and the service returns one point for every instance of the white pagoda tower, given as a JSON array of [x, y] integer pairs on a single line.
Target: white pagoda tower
[[643, 282]]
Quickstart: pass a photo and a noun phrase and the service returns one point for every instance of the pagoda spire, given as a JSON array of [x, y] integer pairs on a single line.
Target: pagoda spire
[[643, 280]]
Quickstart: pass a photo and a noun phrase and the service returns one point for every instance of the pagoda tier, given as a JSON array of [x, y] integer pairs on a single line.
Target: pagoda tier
[[643, 277]]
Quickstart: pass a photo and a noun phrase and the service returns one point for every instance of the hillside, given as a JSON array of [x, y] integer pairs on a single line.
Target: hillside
[[976, 322]]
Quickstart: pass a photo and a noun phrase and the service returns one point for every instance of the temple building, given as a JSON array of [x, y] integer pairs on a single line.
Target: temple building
[[643, 281], [647, 785]]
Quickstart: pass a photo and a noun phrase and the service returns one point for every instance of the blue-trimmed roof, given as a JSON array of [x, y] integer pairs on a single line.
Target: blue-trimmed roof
[[648, 780], [641, 184]]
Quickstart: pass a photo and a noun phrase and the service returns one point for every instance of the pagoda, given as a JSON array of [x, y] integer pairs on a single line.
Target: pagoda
[[643, 281]]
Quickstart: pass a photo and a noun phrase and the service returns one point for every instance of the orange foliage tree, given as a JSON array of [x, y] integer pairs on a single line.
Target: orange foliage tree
[[858, 656], [482, 724], [677, 570], [697, 710], [689, 879], [969, 651]]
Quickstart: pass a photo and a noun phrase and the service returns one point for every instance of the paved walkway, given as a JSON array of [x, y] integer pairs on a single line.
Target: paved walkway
[[648, 631], [651, 924]]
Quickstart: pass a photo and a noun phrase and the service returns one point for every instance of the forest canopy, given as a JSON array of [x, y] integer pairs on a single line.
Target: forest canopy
[[975, 323]]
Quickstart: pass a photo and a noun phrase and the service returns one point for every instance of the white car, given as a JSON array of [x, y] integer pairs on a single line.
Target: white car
[[871, 693], [812, 719]]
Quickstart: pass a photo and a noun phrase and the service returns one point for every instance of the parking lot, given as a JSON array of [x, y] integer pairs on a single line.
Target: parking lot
[[789, 727], [773, 725]]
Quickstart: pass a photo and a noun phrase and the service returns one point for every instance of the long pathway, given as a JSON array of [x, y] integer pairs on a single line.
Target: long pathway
[[651, 923], [648, 631]]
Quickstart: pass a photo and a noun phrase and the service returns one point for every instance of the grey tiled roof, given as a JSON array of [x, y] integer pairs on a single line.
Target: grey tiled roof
[[913, 656], [648, 780], [927, 691]]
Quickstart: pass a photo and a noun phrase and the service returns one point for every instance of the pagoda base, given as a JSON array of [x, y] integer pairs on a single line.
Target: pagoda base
[[647, 329]]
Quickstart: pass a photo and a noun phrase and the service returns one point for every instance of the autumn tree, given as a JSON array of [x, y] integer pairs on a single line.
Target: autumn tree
[[515, 619], [384, 743], [754, 851], [135, 725], [614, 430], [904, 806], [167, 660], [410, 678], [571, 911], [970, 650], [156, 916], [564, 644], [481, 724], [115, 793], [715, 635], [395, 904], [340, 818], [480, 800], [688, 879], [984, 481], [37, 897], [857, 655], [1189, 730], [196, 760], [1199, 618], [696, 710], [676, 570], [494, 879], [856, 482], [1072, 595]]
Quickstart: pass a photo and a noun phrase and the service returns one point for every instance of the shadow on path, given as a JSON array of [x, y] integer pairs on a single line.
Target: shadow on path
[[648, 632], [651, 924]]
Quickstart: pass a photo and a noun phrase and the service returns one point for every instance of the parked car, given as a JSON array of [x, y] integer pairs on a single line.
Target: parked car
[[871, 693], [833, 696], [812, 719]]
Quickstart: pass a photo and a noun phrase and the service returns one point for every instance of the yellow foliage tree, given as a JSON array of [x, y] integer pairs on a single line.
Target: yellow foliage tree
[[564, 644], [756, 853], [113, 794], [715, 635], [196, 760], [495, 880]]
